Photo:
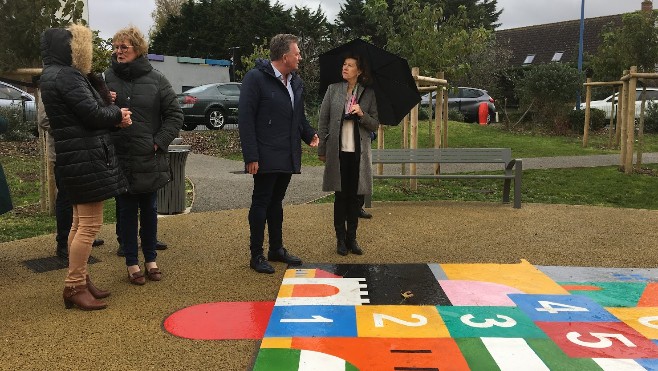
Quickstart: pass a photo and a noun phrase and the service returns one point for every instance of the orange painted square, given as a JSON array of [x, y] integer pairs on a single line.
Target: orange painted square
[[400, 321]]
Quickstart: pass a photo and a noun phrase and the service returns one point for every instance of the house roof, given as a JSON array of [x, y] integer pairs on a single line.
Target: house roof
[[547, 39]]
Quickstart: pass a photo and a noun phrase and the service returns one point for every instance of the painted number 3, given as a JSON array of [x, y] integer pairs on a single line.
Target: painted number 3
[[489, 322]]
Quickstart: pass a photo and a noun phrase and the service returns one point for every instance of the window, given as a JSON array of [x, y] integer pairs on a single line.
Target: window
[[557, 56], [229, 89], [529, 59]]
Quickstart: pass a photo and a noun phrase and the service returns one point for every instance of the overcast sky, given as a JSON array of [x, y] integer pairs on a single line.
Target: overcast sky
[[109, 16]]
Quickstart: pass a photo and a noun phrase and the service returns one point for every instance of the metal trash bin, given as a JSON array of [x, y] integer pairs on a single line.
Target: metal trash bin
[[171, 197]]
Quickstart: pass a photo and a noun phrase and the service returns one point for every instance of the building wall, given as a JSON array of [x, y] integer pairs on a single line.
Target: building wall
[[183, 76]]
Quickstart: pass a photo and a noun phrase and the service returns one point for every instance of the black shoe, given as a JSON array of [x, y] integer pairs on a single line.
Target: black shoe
[[354, 247], [120, 251], [281, 255], [159, 245], [260, 265], [341, 249], [97, 242], [364, 214]]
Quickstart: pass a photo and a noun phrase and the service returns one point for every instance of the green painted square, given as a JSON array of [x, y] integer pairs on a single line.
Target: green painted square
[[555, 359], [277, 359], [476, 354], [501, 322], [612, 294]]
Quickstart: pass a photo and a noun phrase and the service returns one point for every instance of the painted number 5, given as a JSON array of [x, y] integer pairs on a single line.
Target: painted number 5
[[604, 340], [507, 321], [379, 320]]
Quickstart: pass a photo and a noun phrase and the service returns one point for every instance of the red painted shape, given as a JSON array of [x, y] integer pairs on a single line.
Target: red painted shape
[[388, 353], [649, 297], [314, 291], [599, 340], [581, 288], [319, 273], [221, 321]]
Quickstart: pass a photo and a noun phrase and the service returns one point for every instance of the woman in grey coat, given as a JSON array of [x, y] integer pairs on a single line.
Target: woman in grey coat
[[347, 117]]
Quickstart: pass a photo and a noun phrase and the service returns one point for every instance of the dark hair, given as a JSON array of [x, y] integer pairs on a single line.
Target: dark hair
[[280, 45], [362, 65]]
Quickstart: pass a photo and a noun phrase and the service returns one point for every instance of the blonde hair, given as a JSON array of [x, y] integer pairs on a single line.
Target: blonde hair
[[136, 37], [82, 51]]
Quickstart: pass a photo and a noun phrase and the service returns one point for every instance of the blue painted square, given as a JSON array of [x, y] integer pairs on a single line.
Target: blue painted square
[[651, 364], [561, 308], [312, 321]]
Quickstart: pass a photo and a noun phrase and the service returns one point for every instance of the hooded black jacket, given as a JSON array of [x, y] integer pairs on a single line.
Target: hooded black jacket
[[157, 119], [86, 163]]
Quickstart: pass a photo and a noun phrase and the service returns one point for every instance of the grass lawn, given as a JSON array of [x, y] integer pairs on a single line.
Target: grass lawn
[[604, 186]]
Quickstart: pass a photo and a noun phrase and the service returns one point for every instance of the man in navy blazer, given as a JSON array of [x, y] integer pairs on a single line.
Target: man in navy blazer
[[272, 125]]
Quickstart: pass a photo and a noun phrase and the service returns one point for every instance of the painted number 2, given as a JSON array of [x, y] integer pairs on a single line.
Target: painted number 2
[[379, 320], [603, 340], [488, 322]]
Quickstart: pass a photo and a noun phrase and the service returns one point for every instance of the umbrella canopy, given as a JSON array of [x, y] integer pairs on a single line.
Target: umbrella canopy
[[394, 86]]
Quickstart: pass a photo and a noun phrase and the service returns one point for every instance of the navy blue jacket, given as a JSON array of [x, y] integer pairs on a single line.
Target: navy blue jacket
[[271, 129]]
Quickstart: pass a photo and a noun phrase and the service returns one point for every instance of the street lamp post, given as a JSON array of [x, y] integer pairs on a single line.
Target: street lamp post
[[580, 49], [233, 61]]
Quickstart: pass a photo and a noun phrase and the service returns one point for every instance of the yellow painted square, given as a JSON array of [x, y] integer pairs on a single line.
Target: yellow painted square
[[299, 273], [285, 291], [276, 343], [400, 321], [643, 320], [523, 276]]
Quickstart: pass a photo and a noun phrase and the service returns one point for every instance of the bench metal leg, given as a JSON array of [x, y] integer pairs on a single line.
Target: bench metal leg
[[506, 188], [517, 183]]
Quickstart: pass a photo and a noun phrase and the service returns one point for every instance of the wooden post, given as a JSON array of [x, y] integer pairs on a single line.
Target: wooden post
[[640, 131], [405, 141], [413, 183], [630, 123], [444, 131], [588, 100], [612, 118], [621, 122], [438, 119], [380, 145]]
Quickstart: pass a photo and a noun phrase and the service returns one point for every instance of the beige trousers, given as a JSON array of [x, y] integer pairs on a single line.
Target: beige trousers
[[87, 221]]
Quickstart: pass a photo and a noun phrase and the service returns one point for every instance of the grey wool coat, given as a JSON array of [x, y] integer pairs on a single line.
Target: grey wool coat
[[329, 128]]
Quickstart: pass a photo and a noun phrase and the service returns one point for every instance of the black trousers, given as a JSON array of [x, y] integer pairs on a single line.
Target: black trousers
[[347, 203], [267, 208]]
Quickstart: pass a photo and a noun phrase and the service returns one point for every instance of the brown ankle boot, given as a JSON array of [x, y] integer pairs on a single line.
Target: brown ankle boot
[[81, 298], [95, 291]]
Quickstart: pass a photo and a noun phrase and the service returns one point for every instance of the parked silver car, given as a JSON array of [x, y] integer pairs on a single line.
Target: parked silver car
[[467, 101], [13, 96]]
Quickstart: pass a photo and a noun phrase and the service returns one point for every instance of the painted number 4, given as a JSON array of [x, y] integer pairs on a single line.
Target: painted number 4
[[553, 308]]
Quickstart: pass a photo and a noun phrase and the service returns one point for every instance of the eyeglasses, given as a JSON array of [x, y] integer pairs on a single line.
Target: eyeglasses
[[122, 47]]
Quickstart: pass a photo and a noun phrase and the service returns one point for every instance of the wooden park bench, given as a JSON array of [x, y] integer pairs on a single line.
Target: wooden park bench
[[512, 168]]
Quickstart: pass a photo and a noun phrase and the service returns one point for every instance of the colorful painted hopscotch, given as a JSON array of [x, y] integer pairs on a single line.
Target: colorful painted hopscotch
[[444, 317]]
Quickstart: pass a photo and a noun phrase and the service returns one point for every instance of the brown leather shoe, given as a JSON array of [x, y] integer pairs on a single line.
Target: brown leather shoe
[[80, 297], [137, 278], [95, 291], [153, 274]]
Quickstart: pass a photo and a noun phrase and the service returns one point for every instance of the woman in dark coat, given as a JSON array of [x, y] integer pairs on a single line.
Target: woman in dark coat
[[347, 117], [142, 148], [87, 166]]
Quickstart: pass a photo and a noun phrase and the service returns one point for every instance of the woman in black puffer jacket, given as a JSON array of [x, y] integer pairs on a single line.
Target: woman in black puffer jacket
[[142, 148], [87, 166]]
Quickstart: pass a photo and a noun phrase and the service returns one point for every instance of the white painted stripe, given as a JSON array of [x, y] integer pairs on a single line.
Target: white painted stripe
[[613, 364], [316, 361], [513, 354]]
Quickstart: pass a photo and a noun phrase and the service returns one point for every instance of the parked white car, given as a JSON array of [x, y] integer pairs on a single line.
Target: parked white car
[[605, 105], [11, 96]]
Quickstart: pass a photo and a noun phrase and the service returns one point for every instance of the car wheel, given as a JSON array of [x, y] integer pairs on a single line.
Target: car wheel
[[489, 115], [188, 126], [215, 119]]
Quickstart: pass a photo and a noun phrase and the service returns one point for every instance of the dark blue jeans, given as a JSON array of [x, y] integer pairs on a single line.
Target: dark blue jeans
[[63, 216], [267, 207], [132, 206]]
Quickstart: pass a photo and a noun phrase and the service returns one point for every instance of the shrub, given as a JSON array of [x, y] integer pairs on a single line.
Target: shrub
[[455, 115], [18, 129], [651, 118], [597, 120]]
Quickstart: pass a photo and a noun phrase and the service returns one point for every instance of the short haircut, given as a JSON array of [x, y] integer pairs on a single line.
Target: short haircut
[[361, 64], [280, 45], [136, 38]]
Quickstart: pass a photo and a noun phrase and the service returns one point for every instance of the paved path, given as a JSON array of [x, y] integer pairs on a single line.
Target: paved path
[[220, 184]]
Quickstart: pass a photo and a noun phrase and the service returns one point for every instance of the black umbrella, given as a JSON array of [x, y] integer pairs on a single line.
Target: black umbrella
[[392, 81]]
